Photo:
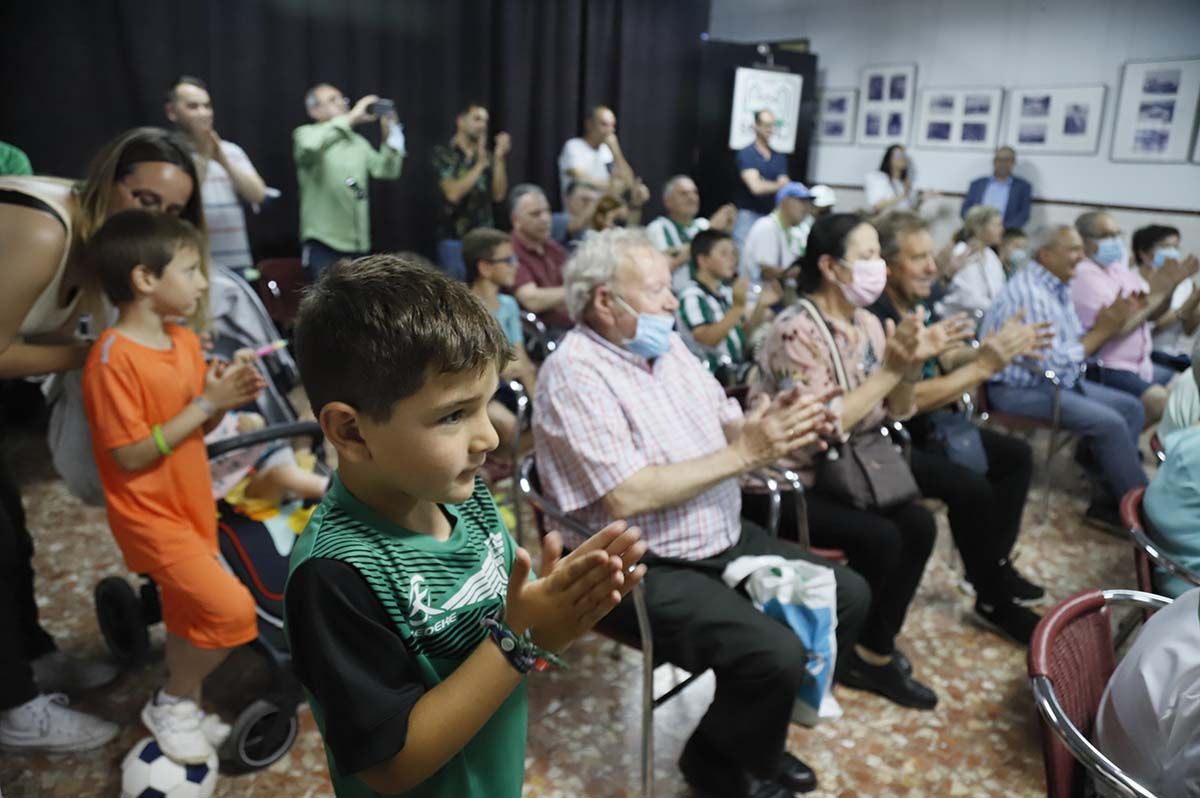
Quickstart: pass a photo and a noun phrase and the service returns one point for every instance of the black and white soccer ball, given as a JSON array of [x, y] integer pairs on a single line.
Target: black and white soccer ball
[[149, 773]]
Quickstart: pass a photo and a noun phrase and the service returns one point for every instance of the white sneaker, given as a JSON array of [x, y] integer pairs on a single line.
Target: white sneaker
[[177, 729], [45, 723], [216, 731], [58, 671]]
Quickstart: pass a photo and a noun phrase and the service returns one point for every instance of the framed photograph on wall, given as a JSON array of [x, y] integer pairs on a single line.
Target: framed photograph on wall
[[836, 115], [958, 118], [886, 97], [1055, 119], [1156, 111]]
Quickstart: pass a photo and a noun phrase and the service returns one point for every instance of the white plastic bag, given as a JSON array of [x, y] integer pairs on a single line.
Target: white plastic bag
[[70, 439], [802, 595]]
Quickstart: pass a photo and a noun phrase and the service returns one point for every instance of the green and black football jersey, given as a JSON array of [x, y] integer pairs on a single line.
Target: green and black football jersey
[[377, 614]]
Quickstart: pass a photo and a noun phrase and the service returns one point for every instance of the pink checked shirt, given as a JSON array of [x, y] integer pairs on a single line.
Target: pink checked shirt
[[1093, 287], [602, 414]]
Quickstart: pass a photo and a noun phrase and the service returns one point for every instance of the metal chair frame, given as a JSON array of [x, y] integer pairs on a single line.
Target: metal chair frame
[[1051, 710], [1131, 515], [1156, 447], [543, 509]]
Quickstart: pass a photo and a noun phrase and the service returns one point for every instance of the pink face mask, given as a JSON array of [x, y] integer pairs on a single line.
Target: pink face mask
[[867, 283]]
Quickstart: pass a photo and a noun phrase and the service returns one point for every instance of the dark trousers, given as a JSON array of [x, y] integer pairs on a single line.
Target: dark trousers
[[316, 257], [888, 548], [23, 637], [699, 623], [985, 510]]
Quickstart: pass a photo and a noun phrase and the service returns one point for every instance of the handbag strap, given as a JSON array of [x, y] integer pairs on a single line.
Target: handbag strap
[[838, 368]]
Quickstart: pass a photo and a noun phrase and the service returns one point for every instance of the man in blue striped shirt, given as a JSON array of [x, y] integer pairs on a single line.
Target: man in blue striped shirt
[[1108, 420]]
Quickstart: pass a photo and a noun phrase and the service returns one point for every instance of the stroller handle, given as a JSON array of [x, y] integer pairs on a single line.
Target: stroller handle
[[296, 429]]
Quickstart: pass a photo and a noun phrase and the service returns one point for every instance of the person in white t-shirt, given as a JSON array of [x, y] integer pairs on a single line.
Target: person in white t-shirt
[[773, 243], [1148, 723], [673, 232], [981, 276], [228, 177], [595, 157]]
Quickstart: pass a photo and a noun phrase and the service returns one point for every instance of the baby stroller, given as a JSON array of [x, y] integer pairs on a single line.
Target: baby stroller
[[257, 553]]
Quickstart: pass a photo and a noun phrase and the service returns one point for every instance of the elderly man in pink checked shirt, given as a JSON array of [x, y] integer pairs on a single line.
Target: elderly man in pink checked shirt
[[629, 424], [1100, 278]]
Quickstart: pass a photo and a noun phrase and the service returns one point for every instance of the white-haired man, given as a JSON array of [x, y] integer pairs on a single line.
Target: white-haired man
[[673, 232], [629, 424]]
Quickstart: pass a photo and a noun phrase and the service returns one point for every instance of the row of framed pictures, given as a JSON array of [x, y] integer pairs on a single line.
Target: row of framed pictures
[[1155, 121]]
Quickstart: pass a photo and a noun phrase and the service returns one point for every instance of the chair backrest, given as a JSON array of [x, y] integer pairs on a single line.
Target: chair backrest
[[544, 510], [1070, 661], [279, 287], [1146, 551]]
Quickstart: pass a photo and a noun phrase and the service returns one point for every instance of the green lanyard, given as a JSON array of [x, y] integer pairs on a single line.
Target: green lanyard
[[792, 238]]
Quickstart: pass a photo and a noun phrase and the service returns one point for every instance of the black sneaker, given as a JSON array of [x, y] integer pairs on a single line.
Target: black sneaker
[[889, 681], [1023, 592], [1008, 618], [1103, 515], [709, 773]]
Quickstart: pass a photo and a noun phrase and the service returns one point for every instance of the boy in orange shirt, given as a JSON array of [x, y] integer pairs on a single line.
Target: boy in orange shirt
[[150, 399]]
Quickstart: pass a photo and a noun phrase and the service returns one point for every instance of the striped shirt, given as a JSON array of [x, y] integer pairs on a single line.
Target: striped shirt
[[1043, 298], [602, 414], [666, 234], [223, 210], [699, 306]]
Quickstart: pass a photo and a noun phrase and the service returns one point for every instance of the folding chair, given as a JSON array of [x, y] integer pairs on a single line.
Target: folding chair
[[1070, 661], [1014, 422], [543, 510], [1156, 447], [538, 341], [1145, 551]]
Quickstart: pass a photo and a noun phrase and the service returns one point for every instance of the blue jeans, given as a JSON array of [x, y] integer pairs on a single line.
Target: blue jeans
[[1127, 381], [316, 257], [1109, 420], [741, 226], [450, 258]]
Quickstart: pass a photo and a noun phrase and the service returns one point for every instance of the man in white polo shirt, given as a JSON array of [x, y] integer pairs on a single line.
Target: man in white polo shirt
[[228, 178], [595, 157]]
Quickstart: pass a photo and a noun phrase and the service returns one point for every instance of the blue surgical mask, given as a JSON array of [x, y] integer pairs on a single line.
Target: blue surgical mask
[[1109, 251], [1165, 254], [653, 336]]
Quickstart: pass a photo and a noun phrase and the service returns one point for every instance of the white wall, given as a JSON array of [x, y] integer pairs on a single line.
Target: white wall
[[1008, 43]]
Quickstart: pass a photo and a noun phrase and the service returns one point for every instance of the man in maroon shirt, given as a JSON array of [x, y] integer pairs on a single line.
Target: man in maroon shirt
[[540, 259]]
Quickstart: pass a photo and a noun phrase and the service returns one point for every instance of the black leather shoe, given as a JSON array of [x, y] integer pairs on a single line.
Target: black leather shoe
[[902, 662], [710, 774], [795, 775], [888, 681], [761, 788]]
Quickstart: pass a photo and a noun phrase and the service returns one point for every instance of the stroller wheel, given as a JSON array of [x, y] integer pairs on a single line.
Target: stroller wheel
[[262, 733], [119, 613]]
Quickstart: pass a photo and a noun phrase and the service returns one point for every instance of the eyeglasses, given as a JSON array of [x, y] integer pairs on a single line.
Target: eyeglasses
[[511, 260]]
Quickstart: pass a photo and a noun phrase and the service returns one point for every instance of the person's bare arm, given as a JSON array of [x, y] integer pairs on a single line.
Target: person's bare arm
[[32, 243], [759, 186], [455, 188], [246, 181], [539, 300]]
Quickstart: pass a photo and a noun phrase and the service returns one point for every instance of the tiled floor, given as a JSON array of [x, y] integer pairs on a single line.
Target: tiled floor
[[584, 723]]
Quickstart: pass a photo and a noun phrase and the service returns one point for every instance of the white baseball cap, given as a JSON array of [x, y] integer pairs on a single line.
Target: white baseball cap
[[823, 196]]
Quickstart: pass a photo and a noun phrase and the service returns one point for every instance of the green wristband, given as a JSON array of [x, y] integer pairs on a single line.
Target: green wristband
[[160, 440]]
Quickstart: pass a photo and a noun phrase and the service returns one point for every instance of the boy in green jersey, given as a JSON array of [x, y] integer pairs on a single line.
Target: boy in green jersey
[[409, 610]]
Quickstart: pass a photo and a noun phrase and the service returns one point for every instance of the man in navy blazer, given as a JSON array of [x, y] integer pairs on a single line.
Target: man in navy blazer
[[1010, 195]]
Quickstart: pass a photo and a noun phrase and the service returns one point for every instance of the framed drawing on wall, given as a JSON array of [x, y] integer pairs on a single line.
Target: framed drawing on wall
[[1156, 111], [959, 118], [885, 98], [755, 90], [835, 117], [1055, 119]]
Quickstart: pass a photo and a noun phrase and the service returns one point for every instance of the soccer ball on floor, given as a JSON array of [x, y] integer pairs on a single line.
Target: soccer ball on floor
[[149, 773]]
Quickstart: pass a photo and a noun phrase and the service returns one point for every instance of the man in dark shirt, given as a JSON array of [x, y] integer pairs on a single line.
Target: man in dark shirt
[[470, 179], [540, 259], [763, 172]]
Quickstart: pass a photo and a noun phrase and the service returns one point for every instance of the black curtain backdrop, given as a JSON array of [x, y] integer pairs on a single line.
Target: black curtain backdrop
[[77, 72]]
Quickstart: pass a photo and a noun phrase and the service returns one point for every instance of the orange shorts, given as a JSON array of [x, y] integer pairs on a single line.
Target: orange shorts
[[205, 604]]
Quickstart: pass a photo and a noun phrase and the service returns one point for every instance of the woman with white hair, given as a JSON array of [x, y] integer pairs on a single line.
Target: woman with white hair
[[981, 278]]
